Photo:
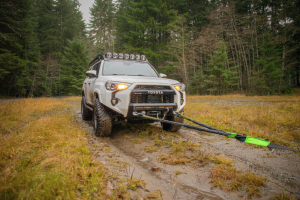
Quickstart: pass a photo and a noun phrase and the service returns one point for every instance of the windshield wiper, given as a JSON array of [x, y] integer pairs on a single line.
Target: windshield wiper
[[118, 74], [136, 75]]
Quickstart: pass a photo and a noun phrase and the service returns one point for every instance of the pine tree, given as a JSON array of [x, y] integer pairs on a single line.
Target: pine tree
[[269, 68], [59, 21], [19, 51], [179, 48], [102, 26], [221, 76], [142, 27], [74, 66]]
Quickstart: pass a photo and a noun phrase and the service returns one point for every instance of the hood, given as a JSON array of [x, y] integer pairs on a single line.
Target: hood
[[142, 79]]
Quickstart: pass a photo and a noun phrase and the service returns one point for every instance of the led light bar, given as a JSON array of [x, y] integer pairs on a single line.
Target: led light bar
[[108, 55], [125, 56]]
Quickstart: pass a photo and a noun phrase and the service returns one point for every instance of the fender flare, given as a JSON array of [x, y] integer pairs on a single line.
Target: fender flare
[[97, 93], [83, 91]]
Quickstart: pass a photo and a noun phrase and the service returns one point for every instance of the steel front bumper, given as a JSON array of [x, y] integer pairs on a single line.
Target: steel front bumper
[[126, 108]]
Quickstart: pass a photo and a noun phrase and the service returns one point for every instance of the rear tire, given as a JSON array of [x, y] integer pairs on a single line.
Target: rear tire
[[102, 120], [86, 114], [172, 127]]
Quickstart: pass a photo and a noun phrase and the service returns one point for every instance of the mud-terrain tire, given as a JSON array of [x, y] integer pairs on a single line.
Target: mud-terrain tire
[[86, 114], [172, 127], [102, 120]]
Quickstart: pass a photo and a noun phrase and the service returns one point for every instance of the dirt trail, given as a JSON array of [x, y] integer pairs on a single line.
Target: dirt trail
[[282, 168]]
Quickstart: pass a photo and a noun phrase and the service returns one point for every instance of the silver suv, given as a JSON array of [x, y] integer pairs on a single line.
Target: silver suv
[[117, 86]]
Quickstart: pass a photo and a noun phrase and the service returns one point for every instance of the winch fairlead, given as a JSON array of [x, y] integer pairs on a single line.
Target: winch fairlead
[[209, 129]]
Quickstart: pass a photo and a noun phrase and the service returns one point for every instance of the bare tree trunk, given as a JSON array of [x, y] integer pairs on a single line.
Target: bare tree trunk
[[183, 56], [47, 64], [255, 26], [33, 82], [201, 63]]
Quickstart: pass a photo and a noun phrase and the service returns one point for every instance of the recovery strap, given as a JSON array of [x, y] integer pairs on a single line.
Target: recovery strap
[[209, 129]]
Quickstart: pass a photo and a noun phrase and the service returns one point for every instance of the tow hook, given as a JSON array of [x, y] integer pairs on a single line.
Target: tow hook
[[165, 113], [136, 114], [176, 113]]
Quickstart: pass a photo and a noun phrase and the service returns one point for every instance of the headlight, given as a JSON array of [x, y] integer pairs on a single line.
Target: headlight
[[179, 87], [116, 86]]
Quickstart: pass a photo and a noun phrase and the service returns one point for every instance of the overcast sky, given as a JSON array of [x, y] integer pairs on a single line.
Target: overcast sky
[[84, 8]]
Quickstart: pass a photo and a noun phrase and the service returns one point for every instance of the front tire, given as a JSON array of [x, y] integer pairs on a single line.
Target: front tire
[[86, 114], [102, 120], [172, 127]]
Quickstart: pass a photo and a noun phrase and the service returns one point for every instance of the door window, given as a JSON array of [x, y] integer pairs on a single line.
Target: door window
[[96, 67]]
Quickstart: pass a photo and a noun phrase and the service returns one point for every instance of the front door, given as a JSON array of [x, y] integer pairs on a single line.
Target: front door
[[91, 83]]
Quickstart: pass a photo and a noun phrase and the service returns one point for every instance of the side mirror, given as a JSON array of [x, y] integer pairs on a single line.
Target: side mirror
[[91, 73], [162, 75]]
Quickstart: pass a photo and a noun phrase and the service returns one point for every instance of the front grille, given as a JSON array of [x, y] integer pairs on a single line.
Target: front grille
[[150, 98], [152, 87], [142, 97]]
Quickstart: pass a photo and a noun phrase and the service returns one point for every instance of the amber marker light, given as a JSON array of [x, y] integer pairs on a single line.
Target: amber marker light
[[122, 87], [177, 87]]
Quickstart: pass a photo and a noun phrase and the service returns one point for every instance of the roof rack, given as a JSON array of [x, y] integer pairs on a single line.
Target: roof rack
[[99, 57]]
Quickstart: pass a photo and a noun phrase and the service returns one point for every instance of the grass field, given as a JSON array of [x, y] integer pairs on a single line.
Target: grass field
[[44, 154], [275, 118]]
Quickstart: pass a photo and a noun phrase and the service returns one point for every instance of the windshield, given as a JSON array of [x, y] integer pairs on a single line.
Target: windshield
[[128, 68]]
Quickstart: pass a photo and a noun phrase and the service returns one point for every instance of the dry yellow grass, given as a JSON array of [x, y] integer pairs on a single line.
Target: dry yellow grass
[[174, 159], [151, 149], [227, 177], [278, 122], [295, 98], [44, 153], [281, 196], [75, 98]]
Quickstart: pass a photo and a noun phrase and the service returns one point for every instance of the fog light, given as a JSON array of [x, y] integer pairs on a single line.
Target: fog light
[[114, 101], [181, 101]]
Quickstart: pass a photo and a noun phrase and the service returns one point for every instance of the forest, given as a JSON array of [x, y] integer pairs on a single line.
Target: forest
[[214, 47]]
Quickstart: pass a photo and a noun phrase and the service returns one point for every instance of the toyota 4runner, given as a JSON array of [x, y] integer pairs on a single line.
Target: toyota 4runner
[[119, 86]]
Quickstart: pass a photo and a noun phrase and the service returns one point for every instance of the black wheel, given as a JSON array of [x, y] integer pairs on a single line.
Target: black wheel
[[172, 127], [86, 114], [102, 120]]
